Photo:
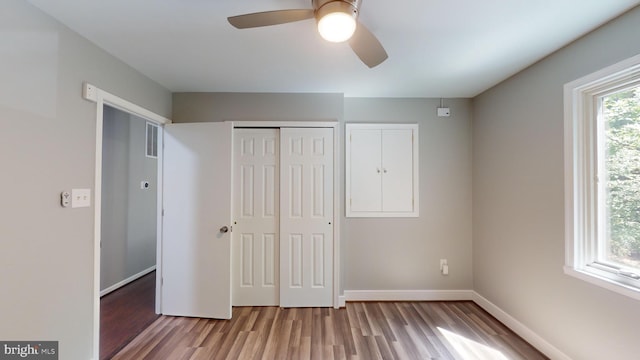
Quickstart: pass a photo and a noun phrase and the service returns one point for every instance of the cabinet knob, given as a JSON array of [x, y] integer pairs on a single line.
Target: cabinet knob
[[378, 171], [385, 171]]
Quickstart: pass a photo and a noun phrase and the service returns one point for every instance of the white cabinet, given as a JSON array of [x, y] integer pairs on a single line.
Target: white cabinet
[[382, 170]]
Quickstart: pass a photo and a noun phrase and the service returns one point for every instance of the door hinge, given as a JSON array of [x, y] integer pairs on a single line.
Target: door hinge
[[162, 212], [350, 202], [161, 281]]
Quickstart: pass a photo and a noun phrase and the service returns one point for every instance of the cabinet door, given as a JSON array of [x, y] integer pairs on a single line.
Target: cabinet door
[[365, 170], [382, 170], [397, 170]]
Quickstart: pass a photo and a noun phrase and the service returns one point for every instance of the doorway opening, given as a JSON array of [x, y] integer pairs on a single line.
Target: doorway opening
[[128, 228], [137, 195]]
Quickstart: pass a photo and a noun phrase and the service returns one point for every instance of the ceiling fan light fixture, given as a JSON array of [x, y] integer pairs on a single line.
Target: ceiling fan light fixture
[[336, 21]]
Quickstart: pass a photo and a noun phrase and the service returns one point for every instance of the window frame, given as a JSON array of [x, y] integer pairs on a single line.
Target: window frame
[[582, 99]]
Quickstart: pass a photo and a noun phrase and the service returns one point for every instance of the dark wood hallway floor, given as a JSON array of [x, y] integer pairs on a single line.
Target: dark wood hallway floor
[[125, 313]]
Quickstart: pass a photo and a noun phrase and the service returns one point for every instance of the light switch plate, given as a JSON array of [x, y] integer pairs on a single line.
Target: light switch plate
[[80, 198]]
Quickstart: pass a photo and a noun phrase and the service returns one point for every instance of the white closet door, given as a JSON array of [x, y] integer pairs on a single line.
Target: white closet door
[[397, 170], [256, 266], [306, 217], [196, 249]]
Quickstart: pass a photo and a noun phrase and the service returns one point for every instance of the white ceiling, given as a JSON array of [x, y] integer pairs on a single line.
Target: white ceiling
[[437, 48]]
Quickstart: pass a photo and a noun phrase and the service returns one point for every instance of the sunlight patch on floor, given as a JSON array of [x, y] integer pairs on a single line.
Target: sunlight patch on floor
[[469, 349]]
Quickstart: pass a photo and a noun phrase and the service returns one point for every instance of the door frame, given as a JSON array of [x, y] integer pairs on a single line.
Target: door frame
[[100, 97], [336, 184]]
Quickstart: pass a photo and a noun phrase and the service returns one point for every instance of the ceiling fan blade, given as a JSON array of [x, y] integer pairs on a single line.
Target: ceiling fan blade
[[367, 47], [268, 18]]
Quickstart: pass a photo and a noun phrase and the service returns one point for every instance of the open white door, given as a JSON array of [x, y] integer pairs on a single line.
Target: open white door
[[196, 246]]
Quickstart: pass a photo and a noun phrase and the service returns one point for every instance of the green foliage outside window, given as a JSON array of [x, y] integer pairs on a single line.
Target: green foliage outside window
[[622, 115]]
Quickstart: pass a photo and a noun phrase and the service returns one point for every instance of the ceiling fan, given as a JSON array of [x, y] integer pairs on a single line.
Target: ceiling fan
[[337, 22]]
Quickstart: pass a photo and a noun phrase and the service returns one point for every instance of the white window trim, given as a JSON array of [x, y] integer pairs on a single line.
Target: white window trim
[[580, 173]]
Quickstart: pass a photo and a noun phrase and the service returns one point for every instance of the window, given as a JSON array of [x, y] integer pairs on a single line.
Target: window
[[602, 177], [152, 140]]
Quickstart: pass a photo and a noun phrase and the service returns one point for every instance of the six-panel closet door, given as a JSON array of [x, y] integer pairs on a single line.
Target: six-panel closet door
[[306, 217], [256, 214], [283, 217]]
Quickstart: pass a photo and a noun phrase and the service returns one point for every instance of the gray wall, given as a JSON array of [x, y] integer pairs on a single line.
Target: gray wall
[[518, 208], [381, 254], [404, 254], [115, 186], [129, 213], [47, 145], [142, 211]]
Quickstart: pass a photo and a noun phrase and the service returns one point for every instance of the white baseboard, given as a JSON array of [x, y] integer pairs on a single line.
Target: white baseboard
[[408, 295], [342, 302], [126, 281], [519, 328]]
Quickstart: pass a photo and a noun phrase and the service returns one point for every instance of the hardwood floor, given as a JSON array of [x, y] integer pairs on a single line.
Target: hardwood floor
[[125, 313], [370, 330]]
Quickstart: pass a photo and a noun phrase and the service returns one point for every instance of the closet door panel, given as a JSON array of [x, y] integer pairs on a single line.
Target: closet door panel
[[256, 218], [306, 222]]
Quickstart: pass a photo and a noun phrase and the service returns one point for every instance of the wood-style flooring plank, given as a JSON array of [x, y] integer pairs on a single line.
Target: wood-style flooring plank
[[126, 312], [362, 331]]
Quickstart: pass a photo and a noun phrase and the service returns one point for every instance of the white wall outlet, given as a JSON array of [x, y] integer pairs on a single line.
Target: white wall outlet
[[80, 198], [444, 267]]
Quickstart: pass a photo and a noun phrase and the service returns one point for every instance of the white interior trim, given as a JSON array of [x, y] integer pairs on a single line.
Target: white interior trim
[[603, 282], [124, 282], [285, 124], [94, 94], [100, 97], [519, 328], [408, 295], [337, 155]]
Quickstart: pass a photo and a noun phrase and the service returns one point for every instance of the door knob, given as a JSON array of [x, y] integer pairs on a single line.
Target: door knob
[[224, 229]]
